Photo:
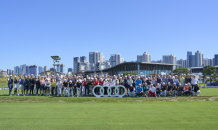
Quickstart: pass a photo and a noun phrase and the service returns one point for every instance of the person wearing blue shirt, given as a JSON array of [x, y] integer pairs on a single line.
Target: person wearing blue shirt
[[139, 91], [20, 81], [10, 84], [138, 81]]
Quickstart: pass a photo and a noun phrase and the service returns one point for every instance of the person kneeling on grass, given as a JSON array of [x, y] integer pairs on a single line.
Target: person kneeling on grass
[[145, 89], [152, 91], [196, 91], [131, 91], [139, 91]]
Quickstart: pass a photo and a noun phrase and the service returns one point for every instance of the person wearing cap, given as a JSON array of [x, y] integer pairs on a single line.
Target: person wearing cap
[[20, 81], [65, 85], [145, 89], [164, 89], [70, 88], [152, 91], [182, 80], [179, 90], [10, 84], [131, 92], [149, 82], [26, 85], [15, 86], [88, 84], [186, 90], [176, 80], [159, 80], [139, 91], [125, 83], [174, 89], [32, 84], [83, 86], [78, 86], [56, 80], [196, 90], [106, 83], [47, 85], [59, 86], [170, 80], [138, 81], [158, 88], [74, 80], [194, 81], [169, 89], [111, 83], [153, 81], [42, 86], [95, 82], [164, 79], [37, 85], [129, 81], [53, 85]]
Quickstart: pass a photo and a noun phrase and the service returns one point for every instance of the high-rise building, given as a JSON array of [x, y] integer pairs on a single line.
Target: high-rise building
[[33, 69], [27, 71], [70, 69], [188, 54], [58, 68], [40, 70], [192, 61], [12, 72], [198, 59], [207, 61], [95, 57], [115, 59], [45, 68], [76, 60], [16, 70], [146, 57], [139, 58], [83, 59], [9, 72], [216, 60], [62, 68], [182, 63], [23, 69], [52, 70], [170, 59]]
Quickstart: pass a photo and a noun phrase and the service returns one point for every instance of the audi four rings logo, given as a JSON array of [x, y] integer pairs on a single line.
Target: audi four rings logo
[[112, 91]]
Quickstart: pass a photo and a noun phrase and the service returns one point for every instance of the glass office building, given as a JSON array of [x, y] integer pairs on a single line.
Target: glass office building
[[137, 67]]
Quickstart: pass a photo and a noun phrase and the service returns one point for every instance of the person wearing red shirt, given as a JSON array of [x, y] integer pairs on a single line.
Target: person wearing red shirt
[[95, 82], [101, 82], [83, 86]]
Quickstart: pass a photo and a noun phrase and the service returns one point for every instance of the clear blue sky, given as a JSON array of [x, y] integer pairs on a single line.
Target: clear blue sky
[[33, 30]]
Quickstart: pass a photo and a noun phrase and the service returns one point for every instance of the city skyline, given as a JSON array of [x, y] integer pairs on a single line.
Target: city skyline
[[196, 60]]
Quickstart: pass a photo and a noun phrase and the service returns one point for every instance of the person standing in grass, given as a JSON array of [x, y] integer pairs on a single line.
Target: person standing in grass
[[56, 80], [37, 85], [42, 86], [15, 86], [78, 86], [47, 85], [65, 85], [182, 80], [70, 88], [164, 89], [158, 88], [26, 85], [32, 83], [10, 84], [20, 80], [59, 86]]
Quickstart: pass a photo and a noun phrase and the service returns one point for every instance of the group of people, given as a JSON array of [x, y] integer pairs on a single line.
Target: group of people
[[154, 85]]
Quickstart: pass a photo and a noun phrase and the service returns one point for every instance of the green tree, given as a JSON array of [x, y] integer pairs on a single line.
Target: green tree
[[55, 60], [126, 73], [210, 71], [180, 71]]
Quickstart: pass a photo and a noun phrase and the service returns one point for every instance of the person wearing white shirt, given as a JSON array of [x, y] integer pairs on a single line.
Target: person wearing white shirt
[[59, 87], [152, 91]]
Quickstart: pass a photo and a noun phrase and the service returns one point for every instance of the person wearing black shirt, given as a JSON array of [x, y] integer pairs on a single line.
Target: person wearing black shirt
[[196, 92], [87, 86], [149, 82], [174, 89], [131, 91], [78, 85], [26, 85], [169, 89], [163, 89], [37, 85], [180, 90], [10, 84], [15, 86], [32, 84], [65, 84], [158, 80], [74, 80]]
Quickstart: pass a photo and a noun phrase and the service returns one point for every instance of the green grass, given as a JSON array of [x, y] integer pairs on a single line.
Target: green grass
[[109, 116]]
